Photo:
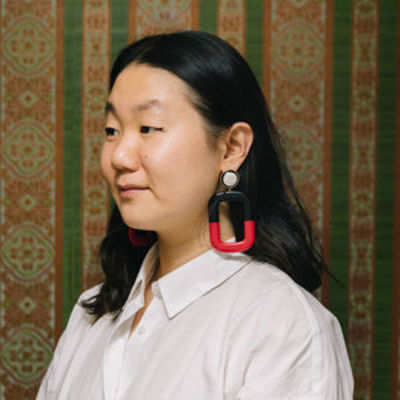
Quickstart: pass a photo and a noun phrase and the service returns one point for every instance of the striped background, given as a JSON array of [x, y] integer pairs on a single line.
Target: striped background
[[329, 70]]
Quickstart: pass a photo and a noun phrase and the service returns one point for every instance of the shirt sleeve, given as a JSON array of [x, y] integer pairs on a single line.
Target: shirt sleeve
[[286, 345]]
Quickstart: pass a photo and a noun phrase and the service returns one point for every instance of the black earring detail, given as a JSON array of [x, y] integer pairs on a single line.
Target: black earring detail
[[230, 179]]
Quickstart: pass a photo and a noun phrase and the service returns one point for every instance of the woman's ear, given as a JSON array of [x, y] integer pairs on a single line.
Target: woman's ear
[[235, 144]]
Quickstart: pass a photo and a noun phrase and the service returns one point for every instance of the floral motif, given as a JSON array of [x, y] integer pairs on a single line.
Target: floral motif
[[159, 16], [26, 150], [27, 253], [27, 46], [25, 354], [298, 49]]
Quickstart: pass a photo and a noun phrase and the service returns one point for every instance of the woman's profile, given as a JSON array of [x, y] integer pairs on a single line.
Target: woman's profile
[[209, 258]]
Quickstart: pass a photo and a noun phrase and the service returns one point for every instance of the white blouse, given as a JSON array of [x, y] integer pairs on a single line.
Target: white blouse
[[220, 327]]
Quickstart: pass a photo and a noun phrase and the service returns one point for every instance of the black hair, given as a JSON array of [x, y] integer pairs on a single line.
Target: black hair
[[225, 91]]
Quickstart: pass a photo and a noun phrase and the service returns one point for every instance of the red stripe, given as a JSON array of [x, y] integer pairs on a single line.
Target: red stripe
[[132, 21], [195, 14]]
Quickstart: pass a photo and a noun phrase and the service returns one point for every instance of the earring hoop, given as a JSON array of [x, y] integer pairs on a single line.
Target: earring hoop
[[142, 240], [230, 179]]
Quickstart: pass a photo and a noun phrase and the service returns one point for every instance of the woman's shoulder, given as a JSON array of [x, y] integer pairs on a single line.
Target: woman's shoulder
[[263, 286], [89, 293], [279, 326], [283, 314], [79, 315]]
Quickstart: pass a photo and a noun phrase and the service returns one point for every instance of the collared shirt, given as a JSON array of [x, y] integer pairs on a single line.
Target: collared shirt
[[220, 327]]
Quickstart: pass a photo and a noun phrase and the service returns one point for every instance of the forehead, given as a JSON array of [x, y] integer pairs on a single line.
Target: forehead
[[148, 87]]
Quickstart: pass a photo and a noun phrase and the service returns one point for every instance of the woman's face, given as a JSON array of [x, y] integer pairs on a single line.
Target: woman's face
[[157, 157]]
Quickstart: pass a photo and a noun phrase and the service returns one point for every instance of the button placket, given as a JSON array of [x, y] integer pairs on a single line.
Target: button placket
[[113, 358], [116, 346], [149, 320]]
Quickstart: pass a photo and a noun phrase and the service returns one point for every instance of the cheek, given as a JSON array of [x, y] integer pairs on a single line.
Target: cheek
[[183, 173], [185, 158]]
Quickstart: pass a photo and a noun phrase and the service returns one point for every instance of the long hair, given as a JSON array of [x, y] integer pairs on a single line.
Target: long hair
[[225, 91]]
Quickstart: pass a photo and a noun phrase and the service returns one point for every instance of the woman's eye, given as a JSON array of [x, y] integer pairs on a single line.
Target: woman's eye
[[149, 129], [110, 131]]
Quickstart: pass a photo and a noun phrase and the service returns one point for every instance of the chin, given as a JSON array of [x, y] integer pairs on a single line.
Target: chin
[[137, 223]]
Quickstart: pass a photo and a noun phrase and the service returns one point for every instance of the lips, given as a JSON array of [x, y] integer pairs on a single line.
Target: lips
[[124, 188], [130, 189]]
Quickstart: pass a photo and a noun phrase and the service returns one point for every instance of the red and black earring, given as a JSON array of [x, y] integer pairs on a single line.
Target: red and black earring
[[230, 179], [145, 238]]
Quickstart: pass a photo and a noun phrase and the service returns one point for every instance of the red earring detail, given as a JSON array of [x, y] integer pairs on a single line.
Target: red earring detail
[[142, 240], [230, 179]]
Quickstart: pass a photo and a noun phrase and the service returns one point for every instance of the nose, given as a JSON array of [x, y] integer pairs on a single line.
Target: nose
[[125, 154]]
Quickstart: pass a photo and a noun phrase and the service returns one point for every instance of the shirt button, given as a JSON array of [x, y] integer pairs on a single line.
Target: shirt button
[[141, 330]]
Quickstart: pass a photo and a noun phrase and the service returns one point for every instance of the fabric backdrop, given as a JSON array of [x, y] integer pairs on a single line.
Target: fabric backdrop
[[330, 72]]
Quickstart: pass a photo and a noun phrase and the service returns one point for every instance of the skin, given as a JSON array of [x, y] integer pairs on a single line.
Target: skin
[[161, 165]]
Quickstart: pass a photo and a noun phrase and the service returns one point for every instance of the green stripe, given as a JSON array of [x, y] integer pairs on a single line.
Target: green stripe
[[72, 154], [254, 36], [338, 260], [385, 197], [208, 16], [119, 26]]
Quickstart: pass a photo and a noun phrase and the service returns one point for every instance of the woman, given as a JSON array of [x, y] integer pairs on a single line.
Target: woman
[[177, 318]]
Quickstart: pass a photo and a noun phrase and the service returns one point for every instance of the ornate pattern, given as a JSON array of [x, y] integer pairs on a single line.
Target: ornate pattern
[[28, 208], [297, 87], [26, 150], [297, 92], [362, 192], [232, 22], [27, 253], [158, 16], [27, 45], [26, 354], [295, 47], [95, 72]]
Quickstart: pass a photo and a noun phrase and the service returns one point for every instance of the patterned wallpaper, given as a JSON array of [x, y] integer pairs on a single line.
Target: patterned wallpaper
[[329, 70]]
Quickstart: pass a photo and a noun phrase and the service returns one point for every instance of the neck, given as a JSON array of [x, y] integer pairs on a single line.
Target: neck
[[181, 245]]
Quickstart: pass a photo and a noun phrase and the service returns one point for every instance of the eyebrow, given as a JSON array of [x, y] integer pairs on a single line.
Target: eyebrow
[[154, 103], [109, 108]]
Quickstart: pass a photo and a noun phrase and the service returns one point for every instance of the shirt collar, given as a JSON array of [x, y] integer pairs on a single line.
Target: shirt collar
[[195, 278], [145, 273]]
